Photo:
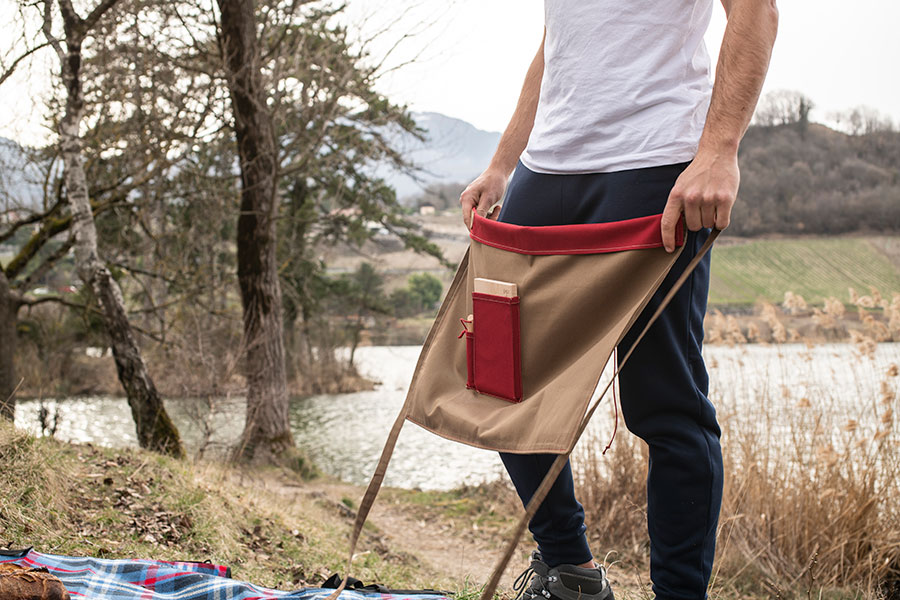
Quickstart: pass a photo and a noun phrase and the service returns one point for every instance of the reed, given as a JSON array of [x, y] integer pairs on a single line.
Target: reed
[[863, 320], [812, 476]]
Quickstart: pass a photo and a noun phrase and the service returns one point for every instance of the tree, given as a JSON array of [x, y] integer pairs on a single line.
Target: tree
[[361, 296], [267, 434], [332, 126], [783, 107], [863, 120], [37, 253], [422, 292], [8, 309], [159, 157], [426, 289], [155, 429]]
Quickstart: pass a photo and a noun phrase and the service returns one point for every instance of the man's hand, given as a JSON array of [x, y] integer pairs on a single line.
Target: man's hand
[[705, 192], [483, 193], [707, 189]]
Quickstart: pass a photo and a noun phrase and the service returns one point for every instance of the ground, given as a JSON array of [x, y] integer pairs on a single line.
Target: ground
[[271, 526]]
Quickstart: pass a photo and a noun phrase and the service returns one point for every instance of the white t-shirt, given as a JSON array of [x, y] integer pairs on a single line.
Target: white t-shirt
[[626, 85]]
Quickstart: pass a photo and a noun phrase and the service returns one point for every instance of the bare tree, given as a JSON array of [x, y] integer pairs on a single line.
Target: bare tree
[[267, 434], [783, 107], [9, 306], [155, 429], [862, 120]]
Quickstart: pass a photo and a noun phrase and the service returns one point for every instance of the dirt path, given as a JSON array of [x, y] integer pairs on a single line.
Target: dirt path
[[451, 550], [443, 547]]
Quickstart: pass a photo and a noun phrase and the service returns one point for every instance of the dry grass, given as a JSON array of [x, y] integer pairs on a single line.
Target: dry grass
[[269, 526], [861, 319], [811, 497], [30, 479], [812, 485]]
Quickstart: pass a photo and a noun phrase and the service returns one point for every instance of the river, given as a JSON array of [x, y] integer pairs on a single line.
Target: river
[[343, 434]]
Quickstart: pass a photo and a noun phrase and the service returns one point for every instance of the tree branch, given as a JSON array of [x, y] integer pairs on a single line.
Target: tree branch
[[72, 20], [49, 229], [46, 264], [47, 27], [98, 12], [35, 218], [139, 271], [58, 300], [82, 307], [6, 74]]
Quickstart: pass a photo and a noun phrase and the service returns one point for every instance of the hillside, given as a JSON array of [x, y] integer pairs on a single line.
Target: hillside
[[795, 178], [270, 526], [744, 272], [452, 151], [20, 182], [813, 179]]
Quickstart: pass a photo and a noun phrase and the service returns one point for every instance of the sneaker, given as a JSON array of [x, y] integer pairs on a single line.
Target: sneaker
[[565, 582]]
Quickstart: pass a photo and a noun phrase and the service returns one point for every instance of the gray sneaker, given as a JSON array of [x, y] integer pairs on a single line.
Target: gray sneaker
[[565, 582]]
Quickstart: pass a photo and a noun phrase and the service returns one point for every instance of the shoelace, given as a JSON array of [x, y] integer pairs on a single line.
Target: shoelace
[[521, 586], [522, 581]]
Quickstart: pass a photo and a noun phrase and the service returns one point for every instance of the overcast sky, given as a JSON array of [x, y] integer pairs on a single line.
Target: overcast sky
[[471, 57]]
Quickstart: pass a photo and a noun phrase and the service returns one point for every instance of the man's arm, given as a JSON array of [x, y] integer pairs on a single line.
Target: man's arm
[[488, 188], [707, 189]]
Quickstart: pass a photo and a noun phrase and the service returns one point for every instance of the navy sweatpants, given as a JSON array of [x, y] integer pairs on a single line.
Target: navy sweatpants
[[663, 388]]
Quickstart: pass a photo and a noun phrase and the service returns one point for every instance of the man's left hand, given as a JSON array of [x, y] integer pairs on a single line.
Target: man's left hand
[[704, 192]]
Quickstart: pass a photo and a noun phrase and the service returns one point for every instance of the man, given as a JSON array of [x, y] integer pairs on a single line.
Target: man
[[617, 119]]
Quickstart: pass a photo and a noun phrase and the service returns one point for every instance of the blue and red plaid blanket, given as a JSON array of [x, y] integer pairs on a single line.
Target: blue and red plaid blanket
[[129, 579]]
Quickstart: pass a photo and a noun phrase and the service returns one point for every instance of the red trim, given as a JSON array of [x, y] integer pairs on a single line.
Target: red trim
[[590, 238]]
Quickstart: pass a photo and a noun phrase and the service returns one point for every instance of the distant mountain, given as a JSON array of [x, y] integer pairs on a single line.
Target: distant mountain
[[453, 151], [20, 182]]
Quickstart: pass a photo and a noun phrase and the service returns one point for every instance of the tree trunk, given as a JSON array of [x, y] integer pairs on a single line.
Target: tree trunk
[[155, 430], [9, 306], [355, 339], [291, 354], [267, 435]]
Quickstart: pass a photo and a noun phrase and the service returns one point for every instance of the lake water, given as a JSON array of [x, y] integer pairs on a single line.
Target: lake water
[[344, 433]]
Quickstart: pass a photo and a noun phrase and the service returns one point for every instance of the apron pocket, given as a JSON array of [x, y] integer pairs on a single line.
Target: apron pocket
[[495, 349]]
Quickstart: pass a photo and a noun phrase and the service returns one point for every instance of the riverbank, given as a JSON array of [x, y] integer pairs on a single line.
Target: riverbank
[[276, 529], [93, 373], [270, 526], [762, 323]]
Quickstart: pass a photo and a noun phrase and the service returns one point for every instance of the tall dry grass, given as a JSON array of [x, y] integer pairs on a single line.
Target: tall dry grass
[[863, 320], [812, 492], [813, 500]]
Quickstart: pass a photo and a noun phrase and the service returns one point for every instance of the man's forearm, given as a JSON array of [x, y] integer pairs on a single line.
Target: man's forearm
[[707, 189], [743, 62], [515, 137]]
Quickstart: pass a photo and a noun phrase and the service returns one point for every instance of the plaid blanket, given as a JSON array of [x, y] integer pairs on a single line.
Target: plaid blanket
[[129, 579]]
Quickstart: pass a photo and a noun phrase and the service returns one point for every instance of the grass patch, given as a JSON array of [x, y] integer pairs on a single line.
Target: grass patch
[[494, 505], [270, 526], [744, 273]]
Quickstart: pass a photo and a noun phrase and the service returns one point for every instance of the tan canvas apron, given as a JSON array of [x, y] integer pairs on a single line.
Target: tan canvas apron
[[519, 376]]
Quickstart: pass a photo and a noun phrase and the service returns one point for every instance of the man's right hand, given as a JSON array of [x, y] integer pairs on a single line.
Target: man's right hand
[[483, 193]]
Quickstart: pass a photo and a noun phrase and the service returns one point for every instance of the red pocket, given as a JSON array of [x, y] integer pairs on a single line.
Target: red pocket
[[496, 359]]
